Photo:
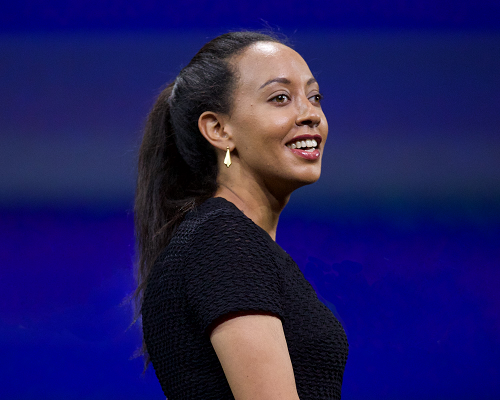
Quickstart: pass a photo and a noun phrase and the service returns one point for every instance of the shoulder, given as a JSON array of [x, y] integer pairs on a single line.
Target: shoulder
[[230, 266], [219, 222], [217, 212]]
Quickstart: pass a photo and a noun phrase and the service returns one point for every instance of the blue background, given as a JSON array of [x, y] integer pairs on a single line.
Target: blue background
[[400, 237]]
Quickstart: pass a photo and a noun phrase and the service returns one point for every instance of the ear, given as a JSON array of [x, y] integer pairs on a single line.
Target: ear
[[211, 126]]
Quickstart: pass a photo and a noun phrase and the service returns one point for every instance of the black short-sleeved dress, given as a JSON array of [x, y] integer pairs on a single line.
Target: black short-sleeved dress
[[220, 262]]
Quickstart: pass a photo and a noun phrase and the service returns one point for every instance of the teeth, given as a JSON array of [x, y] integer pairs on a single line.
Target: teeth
[[302, 144]]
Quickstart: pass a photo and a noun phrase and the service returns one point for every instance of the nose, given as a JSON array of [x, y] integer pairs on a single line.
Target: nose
[[308, 114]]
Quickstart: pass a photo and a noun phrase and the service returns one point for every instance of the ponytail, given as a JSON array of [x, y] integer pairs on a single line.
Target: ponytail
[[167, 188]]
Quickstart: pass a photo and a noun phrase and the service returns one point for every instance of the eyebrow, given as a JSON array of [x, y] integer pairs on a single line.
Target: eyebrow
[[286, 81]]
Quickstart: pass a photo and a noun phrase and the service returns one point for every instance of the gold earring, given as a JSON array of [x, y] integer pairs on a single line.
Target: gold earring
[[227, 159]]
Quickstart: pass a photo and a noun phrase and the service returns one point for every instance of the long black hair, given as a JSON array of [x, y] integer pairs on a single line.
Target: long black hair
[[177, 165]]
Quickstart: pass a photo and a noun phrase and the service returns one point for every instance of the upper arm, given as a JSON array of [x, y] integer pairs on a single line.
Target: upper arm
[[253, 352]]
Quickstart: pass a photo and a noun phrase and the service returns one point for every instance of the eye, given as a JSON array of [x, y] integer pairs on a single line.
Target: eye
[[316, 98], [281, 98]]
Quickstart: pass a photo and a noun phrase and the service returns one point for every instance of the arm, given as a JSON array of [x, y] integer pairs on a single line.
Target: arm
[[253, 352]]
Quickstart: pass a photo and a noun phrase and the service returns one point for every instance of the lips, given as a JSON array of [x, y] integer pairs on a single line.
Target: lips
[[305, 146], [305, 142]]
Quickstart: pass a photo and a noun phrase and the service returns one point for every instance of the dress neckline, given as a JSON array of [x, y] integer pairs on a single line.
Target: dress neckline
[[212, 202]]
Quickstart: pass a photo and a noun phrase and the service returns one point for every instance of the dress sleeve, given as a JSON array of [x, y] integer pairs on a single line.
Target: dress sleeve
[[231, 268]]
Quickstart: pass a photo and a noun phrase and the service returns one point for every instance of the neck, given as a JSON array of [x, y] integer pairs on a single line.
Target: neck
[[257, 203]]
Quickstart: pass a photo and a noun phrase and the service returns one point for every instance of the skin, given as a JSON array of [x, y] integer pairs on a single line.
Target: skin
[[276, 100], [264, 172]]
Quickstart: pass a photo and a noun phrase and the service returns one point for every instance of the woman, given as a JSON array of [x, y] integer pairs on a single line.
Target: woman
[[225, 311]]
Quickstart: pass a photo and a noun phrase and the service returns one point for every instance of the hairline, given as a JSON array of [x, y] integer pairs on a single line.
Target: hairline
[[232, 61]]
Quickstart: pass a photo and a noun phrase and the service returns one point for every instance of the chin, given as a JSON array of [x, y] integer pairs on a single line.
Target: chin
[[286, 184], [305, 179], [309, 181], [309, 175]]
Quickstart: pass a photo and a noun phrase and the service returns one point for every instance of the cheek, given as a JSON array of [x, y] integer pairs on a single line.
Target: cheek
[[260, 130], [257, 126], [275, 129], [280, 121]]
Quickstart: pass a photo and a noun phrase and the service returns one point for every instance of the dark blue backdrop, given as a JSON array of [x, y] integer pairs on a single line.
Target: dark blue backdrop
[[400, 237]]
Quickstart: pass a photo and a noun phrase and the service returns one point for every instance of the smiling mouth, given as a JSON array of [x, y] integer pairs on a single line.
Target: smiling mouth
[[306, 143]]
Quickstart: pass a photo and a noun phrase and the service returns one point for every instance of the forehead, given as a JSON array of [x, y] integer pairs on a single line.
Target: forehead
[[267, 60]]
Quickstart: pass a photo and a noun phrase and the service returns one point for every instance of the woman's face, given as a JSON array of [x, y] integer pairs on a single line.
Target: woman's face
[[277, 124]]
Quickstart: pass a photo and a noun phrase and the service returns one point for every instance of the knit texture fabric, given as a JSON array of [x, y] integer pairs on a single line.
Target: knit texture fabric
[[220, 262]]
